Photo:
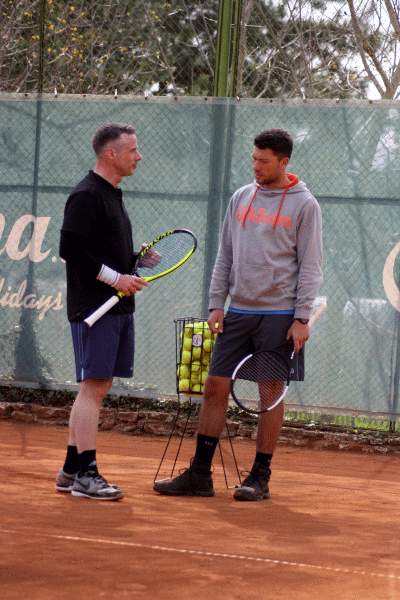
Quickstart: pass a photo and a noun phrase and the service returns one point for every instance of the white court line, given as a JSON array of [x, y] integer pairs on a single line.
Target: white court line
[[203, 553]]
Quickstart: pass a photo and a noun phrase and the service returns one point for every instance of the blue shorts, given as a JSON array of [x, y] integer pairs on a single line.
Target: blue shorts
[[104, 350], [244, 334]]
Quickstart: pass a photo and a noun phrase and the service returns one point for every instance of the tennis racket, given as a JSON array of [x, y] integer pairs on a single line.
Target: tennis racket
[[174, 247], [260, 381]]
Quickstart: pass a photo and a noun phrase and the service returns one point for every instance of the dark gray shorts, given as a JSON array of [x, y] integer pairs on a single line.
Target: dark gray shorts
[[105, 350], [244, 334]]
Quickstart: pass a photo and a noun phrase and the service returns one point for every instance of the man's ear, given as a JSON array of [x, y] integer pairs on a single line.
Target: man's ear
[[109, 152], [284, 162]]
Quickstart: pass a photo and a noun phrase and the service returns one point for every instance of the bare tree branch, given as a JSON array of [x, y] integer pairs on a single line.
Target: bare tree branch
[[362, 44], [394, 19], [287, 47]]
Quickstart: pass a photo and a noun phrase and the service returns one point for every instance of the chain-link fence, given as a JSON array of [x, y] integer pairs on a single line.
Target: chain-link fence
[[196, 152]]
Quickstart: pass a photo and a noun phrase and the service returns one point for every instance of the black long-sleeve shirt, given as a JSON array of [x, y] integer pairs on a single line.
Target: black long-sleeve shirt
[[96, 230]]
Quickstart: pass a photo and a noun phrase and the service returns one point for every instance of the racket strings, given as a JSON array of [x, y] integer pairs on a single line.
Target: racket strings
[[260, 382], [172, 249]]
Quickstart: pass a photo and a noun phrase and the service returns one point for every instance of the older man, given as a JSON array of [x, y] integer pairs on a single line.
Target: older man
[[96, 243]]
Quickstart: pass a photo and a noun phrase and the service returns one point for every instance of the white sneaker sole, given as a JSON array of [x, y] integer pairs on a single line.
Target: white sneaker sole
[[64, 489], [84, 495]]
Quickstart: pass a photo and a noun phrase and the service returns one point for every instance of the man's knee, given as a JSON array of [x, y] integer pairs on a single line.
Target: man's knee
[[96, 388]]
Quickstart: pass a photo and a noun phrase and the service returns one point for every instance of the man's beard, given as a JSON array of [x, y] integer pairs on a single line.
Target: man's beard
[[267, 181]]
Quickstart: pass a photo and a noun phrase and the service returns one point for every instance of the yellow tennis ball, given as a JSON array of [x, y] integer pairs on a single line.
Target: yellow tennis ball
[[196, 367], [205, 358], [184, 385], [186, 357], [197, 388], [207, 345], [195, 377], [200, 327], [183, 372], [187, 343], [204, 375], [196, 353]]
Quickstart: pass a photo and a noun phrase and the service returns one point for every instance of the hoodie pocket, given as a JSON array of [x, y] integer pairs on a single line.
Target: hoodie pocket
[[251, 283]]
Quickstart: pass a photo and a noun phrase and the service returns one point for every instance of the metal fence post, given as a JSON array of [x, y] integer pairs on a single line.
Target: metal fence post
[[394, 392], [227, 52], [28, 358], [223, 115]]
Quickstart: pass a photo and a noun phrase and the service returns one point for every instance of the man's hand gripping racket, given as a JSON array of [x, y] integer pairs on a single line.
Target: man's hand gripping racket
[[164, 255]]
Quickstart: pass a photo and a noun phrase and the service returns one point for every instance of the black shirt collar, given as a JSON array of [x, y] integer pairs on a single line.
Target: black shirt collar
[[106, 185]]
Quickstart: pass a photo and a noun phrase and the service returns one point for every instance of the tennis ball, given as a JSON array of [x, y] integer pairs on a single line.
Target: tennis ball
[[207, 345], [204, 375], [205, 358], [200, 327], [207, 334], [187, 343], [184, 385], [197, 388], [195, 377], [186, 357], [183, 372], [196, 367], [186, 331], [196, 353]]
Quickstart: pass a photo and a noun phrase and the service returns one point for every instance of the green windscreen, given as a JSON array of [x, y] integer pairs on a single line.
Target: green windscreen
[[196, 152]]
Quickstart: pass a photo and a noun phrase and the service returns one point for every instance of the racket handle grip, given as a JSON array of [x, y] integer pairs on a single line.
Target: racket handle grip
[[97, 314]]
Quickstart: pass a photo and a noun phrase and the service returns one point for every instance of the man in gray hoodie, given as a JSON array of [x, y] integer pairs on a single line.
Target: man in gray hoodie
[[269, 265]]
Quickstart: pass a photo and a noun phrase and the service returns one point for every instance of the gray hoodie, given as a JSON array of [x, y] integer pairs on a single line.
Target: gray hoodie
[[270, 252]]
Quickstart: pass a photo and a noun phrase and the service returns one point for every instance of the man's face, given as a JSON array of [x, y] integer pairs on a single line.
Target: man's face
[[125, 154], [267, 166]]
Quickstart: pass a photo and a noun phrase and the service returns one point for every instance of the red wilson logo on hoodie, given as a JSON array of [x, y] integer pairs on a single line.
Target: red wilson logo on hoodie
[[260, 215]]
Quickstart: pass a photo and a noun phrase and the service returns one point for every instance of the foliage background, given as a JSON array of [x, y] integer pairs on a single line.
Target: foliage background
[[296, 48]]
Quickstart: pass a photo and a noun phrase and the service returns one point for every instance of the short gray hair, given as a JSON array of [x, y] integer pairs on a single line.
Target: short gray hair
[[108, 133]]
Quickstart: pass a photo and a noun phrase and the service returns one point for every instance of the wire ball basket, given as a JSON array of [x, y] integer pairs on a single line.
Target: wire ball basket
[[194, 346]]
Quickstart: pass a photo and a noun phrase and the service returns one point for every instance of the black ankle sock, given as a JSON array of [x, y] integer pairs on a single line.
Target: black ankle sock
[[205, 449], [263, 459], [71, 465], [87, 462]]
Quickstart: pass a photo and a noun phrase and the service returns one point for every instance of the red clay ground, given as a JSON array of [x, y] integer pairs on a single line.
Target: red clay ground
[[330, 531]]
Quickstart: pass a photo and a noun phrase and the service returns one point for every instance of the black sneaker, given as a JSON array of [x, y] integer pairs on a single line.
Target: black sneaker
[[255, 486], [192, 482]]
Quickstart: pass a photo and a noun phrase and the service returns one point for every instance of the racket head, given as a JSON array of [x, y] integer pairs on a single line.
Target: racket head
[[175, 247], [260, 381]]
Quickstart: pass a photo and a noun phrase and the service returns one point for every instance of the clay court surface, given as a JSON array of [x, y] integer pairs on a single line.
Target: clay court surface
[[331, 530]]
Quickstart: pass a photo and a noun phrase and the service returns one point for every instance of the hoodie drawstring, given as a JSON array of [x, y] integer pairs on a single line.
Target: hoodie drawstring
[[278, 214], [293, 181], [250, 203]]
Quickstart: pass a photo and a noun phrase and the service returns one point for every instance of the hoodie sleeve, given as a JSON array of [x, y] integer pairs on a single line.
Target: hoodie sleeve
[[309, 256], [219, 286]]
